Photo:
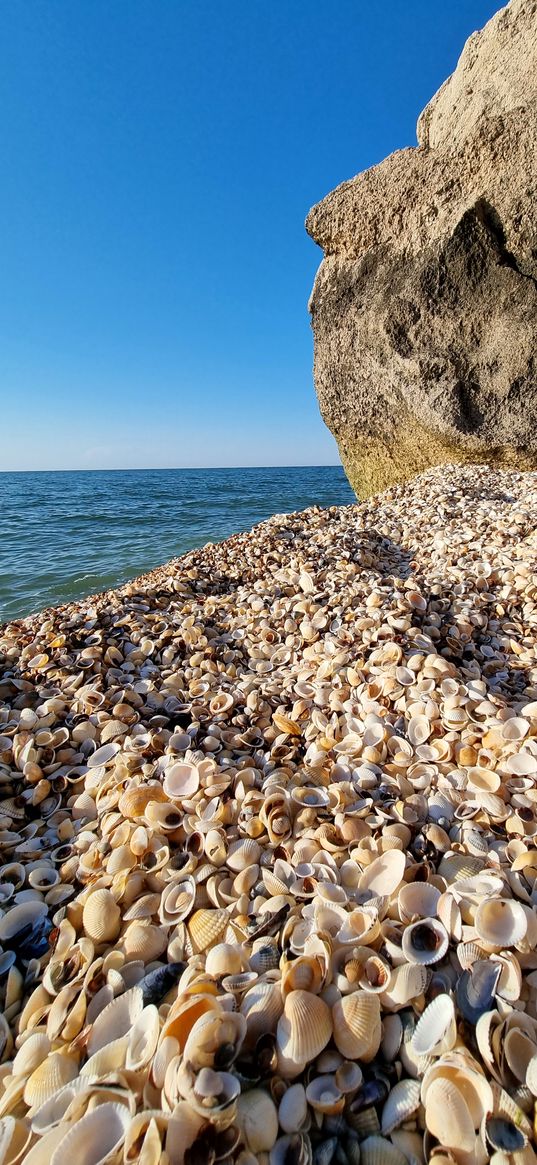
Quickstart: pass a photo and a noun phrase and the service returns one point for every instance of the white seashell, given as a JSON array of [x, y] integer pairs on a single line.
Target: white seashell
[[402, 1102], [500, 922], [436, 1030], [257, 1119], [425, 941], [96, 1138], [116, 1020], [293, 1109], [181, 780], [384, 874]]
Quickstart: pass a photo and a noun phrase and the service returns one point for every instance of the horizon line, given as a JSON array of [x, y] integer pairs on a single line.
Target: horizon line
[[180, 468]]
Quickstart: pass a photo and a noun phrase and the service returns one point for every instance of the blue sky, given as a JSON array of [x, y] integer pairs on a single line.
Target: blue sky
[[159, 158]]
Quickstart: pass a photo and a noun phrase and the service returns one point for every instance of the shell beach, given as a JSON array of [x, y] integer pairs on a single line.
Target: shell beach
[[268, 822]]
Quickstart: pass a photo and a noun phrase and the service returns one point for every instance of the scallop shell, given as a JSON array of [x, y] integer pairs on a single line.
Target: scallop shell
[[101, 916], [500, 922], [357, 1026], [242, 854], [303, 1031], [142, 941], [96, 1138]]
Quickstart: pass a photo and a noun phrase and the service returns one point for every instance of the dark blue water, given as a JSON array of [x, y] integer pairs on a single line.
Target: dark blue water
[[65, 535]]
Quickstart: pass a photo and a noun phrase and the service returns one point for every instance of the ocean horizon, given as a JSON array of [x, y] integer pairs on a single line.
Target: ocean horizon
[[70, 533]]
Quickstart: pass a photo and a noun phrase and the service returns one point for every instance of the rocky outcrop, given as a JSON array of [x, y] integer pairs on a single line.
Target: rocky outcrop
[[424, 309]]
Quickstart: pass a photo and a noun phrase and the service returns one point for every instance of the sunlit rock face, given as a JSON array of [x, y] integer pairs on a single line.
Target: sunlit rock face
[[424, 308]]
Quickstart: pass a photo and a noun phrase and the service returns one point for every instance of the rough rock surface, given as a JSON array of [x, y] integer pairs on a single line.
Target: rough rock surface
[[424, 309]]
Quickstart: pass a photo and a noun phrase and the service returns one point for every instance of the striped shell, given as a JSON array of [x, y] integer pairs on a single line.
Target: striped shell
[[101, 916]]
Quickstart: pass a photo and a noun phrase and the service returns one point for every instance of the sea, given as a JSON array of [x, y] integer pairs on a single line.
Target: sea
[[68, 534]]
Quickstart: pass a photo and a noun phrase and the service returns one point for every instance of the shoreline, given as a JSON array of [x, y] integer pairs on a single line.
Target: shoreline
[[292, 774]]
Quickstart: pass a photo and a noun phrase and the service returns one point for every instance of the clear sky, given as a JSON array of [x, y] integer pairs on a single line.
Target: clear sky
[[158, 161]]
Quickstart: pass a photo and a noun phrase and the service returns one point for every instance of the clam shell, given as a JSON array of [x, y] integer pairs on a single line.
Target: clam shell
[[357, 1026], [384, 874], [303, 1031], [262, 1007], [206, 928], [293, 1109], [377, 1150], [49, 1076], [96, 1138], [500, 922], [101, 916], [425, 941], [116, 1020], [436, 1030], [447, 1116], [403, 1101], [408, 981], [257, 1119], [223, 959], [181, 780]]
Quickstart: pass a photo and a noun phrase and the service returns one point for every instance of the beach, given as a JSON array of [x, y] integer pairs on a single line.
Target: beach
[[268, 819]]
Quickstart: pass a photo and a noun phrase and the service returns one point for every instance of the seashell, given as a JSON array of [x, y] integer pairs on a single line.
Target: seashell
[[447, 1116], [106, 1062], [425, 941], [384, 874], [101, 916], [31, 1054], [408, 981], [303, 1031], [476, 989], [206, 927], [116, 1020], [177, 901], [324, 1095], [436, 1030], [262, 1007], [103, 756], [96, 1138], [375, 1150], [143, 1039], [49, 1076], [15, 1138], [135, 799], [504, 1134], [181, 780], [293, 1109], [257, 1119], [215, 1040], [376, 975], [357, 1026], [500, 922], [223, 959], [403, 1101], [292, 1149], [242, 854], [143, 941], [20, 918]]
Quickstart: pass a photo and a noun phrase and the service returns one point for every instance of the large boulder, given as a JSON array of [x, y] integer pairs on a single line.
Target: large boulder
[[424, 309]]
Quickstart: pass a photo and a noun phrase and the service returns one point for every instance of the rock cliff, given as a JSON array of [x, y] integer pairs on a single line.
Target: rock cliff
[[424, 308]]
